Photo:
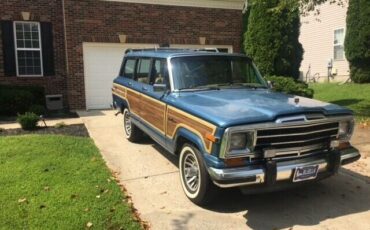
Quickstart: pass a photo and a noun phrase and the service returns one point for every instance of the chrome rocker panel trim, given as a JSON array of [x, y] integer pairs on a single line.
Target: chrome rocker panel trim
[[251, 175]]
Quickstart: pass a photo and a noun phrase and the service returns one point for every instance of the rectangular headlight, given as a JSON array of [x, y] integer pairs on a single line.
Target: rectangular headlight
[[345, 130], [238, 141], [239, 144]]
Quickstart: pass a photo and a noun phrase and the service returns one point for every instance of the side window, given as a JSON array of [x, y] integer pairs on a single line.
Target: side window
[[338, 44], [159, 72], [129, 68], [142, 71]]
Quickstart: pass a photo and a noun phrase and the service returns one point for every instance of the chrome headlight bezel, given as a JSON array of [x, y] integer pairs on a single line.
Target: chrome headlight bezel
[[227, 151]]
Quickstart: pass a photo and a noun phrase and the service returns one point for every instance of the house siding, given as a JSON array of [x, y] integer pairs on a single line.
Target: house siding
[[317, 38]]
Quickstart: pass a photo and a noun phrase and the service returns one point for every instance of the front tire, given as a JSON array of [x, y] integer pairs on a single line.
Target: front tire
[[195, 181], [132, 132]]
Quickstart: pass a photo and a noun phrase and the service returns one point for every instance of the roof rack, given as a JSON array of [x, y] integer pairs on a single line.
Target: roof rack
[[130, 50]]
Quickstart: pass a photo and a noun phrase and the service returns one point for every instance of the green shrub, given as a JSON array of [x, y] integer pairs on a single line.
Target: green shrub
[[271, 37], [357, 40], [28, 121], [290, 86], [37, 109], [60, 125], [360, 73], [18, 99]]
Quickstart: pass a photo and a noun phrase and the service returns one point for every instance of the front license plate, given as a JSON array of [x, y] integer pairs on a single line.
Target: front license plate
[[305, 173]]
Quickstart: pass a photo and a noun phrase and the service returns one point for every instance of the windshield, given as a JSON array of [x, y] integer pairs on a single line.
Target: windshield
[[210, 72]]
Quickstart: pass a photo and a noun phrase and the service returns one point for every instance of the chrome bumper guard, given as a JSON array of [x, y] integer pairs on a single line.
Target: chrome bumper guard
[[273, 172]]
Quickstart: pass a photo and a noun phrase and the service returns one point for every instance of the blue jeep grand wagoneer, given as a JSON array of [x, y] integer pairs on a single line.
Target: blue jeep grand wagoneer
[[227, 126]]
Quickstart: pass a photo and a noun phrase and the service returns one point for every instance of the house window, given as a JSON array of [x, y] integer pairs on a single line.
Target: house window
[[28, 49], [338, 44]]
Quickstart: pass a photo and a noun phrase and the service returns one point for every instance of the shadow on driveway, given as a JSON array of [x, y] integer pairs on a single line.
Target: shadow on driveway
[[343, 194], [307, 205]]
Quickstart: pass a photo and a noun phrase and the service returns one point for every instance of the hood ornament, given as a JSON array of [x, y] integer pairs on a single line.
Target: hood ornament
[[296, 100]]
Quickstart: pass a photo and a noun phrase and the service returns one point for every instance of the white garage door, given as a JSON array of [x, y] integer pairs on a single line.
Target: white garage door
[[102, 62]]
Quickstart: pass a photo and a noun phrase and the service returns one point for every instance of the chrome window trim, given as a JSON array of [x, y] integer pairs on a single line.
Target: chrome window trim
[[273, 125], [170, 75]]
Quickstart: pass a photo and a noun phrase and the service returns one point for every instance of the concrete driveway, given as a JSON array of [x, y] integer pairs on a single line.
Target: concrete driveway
[[151, 178]]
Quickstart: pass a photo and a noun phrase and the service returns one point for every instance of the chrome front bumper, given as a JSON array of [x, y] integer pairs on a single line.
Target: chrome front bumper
[[282, 171]]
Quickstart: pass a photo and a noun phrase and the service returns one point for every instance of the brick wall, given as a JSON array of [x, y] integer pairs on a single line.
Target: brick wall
[[41, 10], [101, 21]]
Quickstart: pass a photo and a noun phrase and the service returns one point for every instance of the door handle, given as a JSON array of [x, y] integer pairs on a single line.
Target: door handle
[[130, 83], [144, 88]]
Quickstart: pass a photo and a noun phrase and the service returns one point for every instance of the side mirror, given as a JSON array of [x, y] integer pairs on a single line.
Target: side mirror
[[270, 84], [159, 87]]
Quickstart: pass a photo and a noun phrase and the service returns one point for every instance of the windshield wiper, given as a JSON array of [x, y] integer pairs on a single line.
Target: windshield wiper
[[199, 88], [247, 85]]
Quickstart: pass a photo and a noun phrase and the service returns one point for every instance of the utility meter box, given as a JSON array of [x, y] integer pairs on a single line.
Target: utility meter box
[[54, 102]]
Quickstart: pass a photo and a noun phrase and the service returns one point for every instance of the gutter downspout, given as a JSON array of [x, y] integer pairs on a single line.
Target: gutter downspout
[[65, 38], [66, 53]]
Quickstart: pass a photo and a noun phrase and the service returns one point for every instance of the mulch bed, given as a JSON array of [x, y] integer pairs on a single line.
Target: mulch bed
[[69, 130]]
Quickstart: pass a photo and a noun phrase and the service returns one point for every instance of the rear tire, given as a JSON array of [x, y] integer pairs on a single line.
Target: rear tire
[[195, 180], [132, 132]]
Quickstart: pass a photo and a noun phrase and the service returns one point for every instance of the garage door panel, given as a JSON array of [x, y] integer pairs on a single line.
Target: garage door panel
[[102, 62]]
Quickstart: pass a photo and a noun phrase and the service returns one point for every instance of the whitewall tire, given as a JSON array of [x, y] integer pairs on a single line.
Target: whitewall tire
[[194, 177], [132, 132]]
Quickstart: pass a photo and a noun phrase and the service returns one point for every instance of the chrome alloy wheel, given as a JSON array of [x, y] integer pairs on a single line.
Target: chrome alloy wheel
[[191, 172]]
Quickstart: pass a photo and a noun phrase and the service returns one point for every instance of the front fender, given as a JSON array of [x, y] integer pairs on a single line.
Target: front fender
[[189, 135], [209, 160]]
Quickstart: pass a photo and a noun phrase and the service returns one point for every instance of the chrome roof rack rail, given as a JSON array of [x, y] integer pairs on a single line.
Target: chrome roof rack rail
[[130, 50]]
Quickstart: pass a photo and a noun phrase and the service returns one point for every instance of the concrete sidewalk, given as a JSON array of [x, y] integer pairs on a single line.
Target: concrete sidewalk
[[151, 178]]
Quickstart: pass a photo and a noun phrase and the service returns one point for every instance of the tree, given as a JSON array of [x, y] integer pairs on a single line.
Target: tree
[[357, 40], [272, 36]]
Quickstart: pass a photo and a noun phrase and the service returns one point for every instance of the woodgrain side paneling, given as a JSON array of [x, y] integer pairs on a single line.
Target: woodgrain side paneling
[[165, 119], [177, 119], [153, 111], [133, 99]]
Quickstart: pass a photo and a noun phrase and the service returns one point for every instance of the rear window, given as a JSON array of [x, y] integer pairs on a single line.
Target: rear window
[[129, 68]]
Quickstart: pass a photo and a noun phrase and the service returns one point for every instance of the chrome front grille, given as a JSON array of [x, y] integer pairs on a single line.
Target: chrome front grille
[[296, 140]]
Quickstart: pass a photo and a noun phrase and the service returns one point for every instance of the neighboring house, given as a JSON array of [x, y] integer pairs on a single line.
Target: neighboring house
[[322, 37], [74, 48]]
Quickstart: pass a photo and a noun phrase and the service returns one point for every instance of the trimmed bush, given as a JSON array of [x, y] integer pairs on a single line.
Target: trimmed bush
[[37, 109], [290, 86], [18, 99], [60, 125], [357, 41], [28, 121]]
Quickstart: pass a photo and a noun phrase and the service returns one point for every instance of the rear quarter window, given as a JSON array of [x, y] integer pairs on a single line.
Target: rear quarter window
[[128, 69]]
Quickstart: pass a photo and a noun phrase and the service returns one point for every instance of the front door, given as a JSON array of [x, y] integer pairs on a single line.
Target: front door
[[152, 108]]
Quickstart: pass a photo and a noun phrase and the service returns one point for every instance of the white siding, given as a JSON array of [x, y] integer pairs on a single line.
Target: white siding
[[317, 38]]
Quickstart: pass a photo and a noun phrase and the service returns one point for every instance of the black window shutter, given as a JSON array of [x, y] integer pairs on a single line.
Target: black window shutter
[[7, 34], [47, 48]]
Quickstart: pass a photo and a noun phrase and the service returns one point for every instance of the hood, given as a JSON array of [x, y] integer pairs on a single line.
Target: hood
[[230, 107]]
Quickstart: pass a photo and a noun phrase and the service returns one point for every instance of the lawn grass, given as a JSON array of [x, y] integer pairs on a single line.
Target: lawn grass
[[58, 182], [353, 96]]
